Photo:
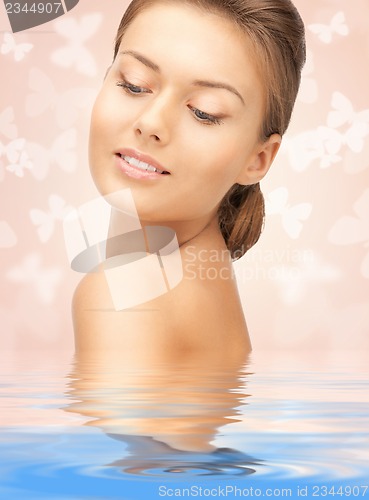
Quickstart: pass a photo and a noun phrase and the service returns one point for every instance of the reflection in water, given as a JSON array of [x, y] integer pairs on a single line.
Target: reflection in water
[[165, 415]]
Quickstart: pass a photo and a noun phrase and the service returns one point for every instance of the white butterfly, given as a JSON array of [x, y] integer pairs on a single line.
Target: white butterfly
[[17, 158], [324, 144], [344, 113], [43, 281], [45, 96], [75, 54], [19, 50], [8, 238], [303, 149], [13, 149], [7, 127], [327, 160], [336, 26], [61, 152], [294, 281], [45, 221], [351, 230], [277, 204], [353, 138], [22, 164]]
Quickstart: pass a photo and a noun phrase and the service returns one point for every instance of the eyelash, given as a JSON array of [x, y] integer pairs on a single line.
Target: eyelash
[[201, 116], [129, 88], [205, 118]]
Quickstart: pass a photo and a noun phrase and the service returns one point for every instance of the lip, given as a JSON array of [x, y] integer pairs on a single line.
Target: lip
[[135, 172]]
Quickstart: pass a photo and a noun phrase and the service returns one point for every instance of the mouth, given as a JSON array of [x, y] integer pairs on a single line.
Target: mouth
[[142, 162]]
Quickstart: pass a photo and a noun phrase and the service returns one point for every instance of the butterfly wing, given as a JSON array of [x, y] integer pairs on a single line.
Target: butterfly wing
[[349, 230], [69, 104], [75, 54], [276, 201], [21, 50], [323, 32], [342, 112], [7, 125], [40, 158], [303, 149], [89, 25], [14, 148], [332, 140], [62, 150], [355, 136], [16, 169], [328, 160], [45, 223], [57, 206], [8, 43], [43, 95], [293, 217], [77, 32], [338, 24]]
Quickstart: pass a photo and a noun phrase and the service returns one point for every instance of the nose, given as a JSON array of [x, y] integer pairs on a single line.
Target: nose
[[154, 121]]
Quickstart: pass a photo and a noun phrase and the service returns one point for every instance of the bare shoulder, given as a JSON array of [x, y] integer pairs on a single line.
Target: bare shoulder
[[199, 313], [98, 326], [210, 312], [91, 292]]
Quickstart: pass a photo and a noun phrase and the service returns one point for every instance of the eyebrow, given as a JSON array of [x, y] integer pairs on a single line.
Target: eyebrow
[[218, 85], [142, 59], [197, 83]]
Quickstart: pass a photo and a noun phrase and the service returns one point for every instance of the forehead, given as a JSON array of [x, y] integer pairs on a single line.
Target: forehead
[[186, 38]]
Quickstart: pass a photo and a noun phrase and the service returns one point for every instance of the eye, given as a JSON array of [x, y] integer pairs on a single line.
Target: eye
[[131, 89], [205, 118]]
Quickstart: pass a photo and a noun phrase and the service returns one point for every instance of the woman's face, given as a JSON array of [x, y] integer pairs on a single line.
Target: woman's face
[[183, 95]]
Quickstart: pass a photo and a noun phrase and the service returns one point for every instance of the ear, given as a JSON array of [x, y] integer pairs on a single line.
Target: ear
[[260, 161]]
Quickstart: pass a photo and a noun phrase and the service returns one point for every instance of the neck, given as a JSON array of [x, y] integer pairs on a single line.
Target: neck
[[186, 231]]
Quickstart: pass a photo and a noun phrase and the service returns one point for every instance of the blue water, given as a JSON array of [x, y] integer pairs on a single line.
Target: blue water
[[279, 426]]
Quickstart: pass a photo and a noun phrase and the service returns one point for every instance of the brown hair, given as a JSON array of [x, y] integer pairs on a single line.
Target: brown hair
[[277, 32]]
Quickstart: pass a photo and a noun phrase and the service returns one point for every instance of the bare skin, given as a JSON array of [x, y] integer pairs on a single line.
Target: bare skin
[[187, 370], [198, 315], [175, 94]]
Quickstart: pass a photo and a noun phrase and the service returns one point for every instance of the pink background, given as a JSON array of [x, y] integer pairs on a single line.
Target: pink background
[[305, 284]]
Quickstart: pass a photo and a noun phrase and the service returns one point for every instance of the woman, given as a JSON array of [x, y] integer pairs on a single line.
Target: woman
[[189, 120]]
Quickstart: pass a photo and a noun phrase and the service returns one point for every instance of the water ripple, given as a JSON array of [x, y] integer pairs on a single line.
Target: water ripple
[[183, 426]]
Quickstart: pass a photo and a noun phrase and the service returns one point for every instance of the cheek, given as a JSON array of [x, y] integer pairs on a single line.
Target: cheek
[[107, 114], [100, 139], [221, 158], [98, 124], [105, 126], [104, 110]]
